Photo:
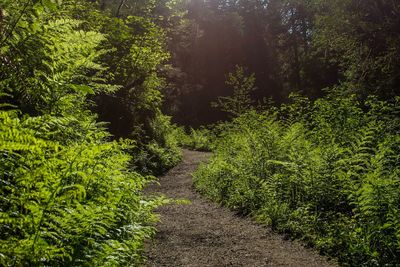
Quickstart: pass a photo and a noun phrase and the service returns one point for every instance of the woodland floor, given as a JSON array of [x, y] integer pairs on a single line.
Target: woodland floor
[[205, 234]]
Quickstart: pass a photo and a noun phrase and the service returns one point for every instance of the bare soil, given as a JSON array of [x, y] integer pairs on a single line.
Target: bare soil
[[205, 234]]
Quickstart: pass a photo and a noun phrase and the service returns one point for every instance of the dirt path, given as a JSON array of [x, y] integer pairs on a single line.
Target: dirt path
[[204, 234]]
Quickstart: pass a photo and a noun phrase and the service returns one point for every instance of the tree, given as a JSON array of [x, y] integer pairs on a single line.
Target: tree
[[362, 38], [240, 101]]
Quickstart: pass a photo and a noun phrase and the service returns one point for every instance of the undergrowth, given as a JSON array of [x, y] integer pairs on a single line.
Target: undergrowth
[[326, 172], [201, 139], [69, 201], [71, 194]]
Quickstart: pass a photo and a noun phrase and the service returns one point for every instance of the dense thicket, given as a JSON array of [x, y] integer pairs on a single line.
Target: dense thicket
[[326, 172], [290, 45], [70, 195]]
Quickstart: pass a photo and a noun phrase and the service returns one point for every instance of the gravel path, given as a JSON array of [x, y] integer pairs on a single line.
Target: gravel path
[[205, 234]]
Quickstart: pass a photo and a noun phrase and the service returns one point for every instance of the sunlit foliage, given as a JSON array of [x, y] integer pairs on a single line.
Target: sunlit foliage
[[326, 172], [69, 194]]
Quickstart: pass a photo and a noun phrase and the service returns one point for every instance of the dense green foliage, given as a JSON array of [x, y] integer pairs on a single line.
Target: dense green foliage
[[82, 128], [162, 152], [70, 195], [201, 139], [326, 172]]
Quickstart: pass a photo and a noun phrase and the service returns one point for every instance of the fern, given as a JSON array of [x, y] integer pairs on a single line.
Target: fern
[[69, 194], [329, 176], [67, 201]]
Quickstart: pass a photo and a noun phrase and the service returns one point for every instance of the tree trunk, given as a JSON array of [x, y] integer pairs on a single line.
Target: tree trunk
[[119, 8]]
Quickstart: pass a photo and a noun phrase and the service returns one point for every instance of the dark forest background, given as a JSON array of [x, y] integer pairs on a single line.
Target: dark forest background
[[299, 46], [291, 46]]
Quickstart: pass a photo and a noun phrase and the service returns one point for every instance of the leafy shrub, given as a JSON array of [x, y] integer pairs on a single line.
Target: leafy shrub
[[326, 172], [242, 86], [161, 152], [69, 196], [201, 139], [71, 202]]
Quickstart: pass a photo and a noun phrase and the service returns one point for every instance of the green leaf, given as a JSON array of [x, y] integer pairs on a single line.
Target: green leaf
[[23, 24], [49, 4], [82, 88], [35, 26]]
